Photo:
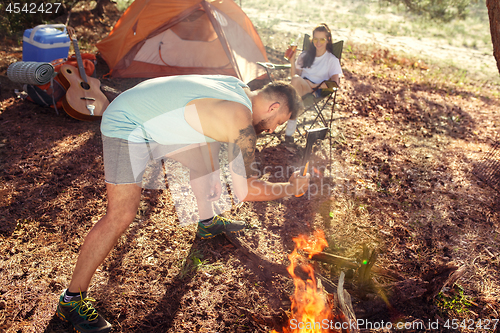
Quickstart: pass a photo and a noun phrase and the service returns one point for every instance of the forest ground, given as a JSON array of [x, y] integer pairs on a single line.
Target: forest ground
[[406, 146]]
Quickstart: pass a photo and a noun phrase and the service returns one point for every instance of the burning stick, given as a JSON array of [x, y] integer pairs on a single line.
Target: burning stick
[[311, 311]]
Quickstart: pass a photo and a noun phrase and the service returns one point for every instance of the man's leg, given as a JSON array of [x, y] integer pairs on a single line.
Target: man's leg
[[201, 171], [123, 201], [200, 184], [197, 159]]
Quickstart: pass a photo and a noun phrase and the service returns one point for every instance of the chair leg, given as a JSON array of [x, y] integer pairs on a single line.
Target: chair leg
[[330, 127], [319, 114], [269, 74], [323, 120]]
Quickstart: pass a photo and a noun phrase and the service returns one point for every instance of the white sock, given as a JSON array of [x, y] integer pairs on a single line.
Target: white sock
[[207, 222], [68, 298], [290, 127]]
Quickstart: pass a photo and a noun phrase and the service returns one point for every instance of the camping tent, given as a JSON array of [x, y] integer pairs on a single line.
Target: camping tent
[[173, 37]]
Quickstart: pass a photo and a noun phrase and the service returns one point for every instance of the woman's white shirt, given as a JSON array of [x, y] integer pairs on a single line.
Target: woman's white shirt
[[323, 67]]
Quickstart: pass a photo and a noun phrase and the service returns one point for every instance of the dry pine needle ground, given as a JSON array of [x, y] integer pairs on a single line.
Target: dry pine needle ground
[[404, 149]]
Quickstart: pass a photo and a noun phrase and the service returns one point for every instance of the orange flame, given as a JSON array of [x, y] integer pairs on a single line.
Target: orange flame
[[310, 310]]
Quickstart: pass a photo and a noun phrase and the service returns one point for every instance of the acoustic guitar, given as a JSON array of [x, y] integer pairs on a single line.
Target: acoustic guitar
[[84, 99]]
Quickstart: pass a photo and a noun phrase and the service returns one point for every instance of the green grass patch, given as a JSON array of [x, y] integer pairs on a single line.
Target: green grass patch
[[454, 301]]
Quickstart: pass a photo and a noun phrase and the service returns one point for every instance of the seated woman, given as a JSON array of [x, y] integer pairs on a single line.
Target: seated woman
[[312, 67]]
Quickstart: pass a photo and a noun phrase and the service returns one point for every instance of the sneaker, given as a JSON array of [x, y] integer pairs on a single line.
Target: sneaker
[[218, 226], [82, 315]]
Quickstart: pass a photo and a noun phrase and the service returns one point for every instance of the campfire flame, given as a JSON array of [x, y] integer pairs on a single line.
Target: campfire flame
[[310, 308]]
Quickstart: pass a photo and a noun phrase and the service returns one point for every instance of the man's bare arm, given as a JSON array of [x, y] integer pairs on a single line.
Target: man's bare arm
[[244, 173], [245, 144]]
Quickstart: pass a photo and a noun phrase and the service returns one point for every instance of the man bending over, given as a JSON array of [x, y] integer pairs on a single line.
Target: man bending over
[[184, 118]]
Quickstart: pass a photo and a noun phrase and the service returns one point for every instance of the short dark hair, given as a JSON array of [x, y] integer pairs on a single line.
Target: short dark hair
[[284, 92]]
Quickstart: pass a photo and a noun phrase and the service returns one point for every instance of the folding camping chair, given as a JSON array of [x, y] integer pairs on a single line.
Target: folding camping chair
[[311, 101]]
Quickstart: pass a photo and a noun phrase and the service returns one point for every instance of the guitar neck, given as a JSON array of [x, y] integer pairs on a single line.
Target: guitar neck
[[79, 60]]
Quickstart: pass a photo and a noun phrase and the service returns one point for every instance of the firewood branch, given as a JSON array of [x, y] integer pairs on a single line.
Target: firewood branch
[[267, 266], [349, 263]]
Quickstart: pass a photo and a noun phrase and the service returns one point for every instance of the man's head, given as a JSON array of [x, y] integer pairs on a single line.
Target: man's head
[[275, 104]]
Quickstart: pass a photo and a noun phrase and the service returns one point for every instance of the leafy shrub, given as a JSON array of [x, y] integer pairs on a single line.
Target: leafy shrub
[[444, 10], [19, 16]]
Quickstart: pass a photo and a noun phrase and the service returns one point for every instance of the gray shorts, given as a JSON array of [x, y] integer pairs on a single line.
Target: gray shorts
[[125, 162]]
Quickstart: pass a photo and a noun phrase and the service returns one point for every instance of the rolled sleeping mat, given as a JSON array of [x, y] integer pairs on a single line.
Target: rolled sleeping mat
[[30, 72]]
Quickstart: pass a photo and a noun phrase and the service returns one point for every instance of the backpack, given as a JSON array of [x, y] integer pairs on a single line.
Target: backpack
[[51, 94]]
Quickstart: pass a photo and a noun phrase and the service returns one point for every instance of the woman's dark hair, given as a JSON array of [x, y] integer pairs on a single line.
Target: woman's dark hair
[[308, 58]]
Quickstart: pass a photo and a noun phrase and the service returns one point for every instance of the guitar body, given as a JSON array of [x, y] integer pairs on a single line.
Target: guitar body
[[83, 100]]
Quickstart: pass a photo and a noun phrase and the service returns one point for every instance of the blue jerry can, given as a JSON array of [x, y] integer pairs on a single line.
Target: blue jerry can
[[45, 43]]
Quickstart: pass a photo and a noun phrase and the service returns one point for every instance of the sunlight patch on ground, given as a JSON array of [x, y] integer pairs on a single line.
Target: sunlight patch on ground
[[362, 23]]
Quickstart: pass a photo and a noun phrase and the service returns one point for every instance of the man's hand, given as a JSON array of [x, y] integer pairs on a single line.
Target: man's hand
[[299, 183]]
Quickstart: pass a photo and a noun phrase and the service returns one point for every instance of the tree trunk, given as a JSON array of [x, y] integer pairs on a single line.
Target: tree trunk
[[494, 14]]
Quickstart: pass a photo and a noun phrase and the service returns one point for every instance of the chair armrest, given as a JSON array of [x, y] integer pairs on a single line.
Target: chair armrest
[[269, 65], [331, 86]]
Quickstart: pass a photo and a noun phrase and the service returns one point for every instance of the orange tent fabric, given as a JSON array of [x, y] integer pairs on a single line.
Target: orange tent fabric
[[172, 37]]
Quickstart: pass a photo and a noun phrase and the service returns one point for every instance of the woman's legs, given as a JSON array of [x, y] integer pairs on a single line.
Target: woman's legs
[[302, 88], [301, 85]]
